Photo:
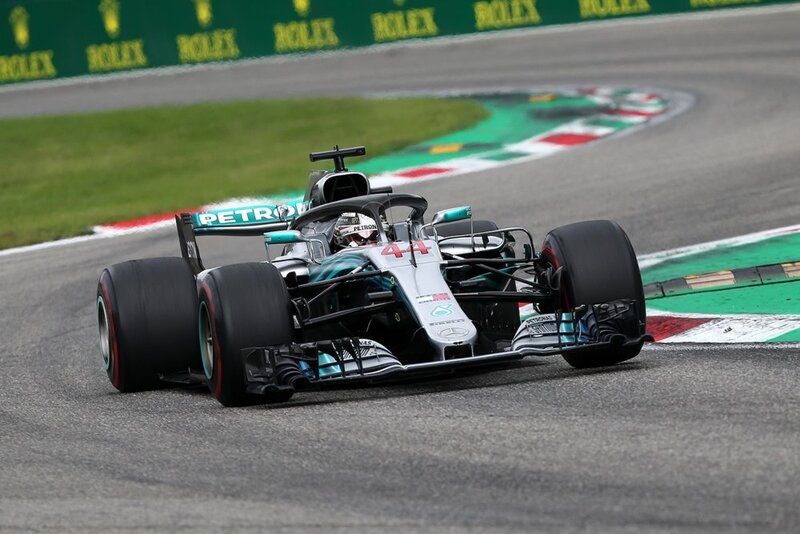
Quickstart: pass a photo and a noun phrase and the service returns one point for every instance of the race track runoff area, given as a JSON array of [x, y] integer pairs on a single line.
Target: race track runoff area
[[739, 290]]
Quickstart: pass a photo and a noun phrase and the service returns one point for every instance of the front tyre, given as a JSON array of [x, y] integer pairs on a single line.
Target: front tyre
[[147, 321], [599, 266], [241, 306]]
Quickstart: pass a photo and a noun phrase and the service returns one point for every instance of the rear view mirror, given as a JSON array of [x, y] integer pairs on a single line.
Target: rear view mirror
[[452, 214], [289, 237], [283, 237]]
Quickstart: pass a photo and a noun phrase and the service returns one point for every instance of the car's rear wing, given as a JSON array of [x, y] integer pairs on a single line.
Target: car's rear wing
[[238, 221], [246, 220]]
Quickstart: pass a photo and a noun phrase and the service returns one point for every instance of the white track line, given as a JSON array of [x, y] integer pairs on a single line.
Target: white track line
[[649, 260], [58, 243], [738, 329]]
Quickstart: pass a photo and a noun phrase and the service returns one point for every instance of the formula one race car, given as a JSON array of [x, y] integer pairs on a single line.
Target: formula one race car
[[357, 287]]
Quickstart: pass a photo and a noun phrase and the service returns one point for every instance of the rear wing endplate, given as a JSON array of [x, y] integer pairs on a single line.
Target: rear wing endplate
[[239, 221]]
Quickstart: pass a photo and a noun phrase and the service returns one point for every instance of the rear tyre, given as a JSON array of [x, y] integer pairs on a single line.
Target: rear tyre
[[599, 266], [146, 314], [241, 306]]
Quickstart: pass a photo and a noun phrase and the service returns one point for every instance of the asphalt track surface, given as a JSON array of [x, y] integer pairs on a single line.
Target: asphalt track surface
[[684, 438]]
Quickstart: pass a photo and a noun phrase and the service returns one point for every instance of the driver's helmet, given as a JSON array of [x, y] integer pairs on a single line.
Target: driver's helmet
[[354, 230]]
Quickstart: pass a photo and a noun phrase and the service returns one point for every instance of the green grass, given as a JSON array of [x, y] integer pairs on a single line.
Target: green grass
[[61, 175]]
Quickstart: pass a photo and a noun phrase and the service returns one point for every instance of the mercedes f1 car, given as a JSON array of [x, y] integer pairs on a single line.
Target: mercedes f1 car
[[406, 298]]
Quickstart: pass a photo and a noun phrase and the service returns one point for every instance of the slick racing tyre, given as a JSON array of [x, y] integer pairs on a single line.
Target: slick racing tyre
[[146, 314], [599, 266], [241, 306]]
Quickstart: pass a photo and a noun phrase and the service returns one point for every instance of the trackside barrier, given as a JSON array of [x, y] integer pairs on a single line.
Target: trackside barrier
[[47, 39]]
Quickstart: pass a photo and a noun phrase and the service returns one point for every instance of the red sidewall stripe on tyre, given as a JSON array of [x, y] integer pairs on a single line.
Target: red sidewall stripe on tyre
[[112, 330], [216, 373], [550, 254]]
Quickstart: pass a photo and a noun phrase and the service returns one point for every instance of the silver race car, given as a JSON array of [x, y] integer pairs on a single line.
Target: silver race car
[[358, 287]]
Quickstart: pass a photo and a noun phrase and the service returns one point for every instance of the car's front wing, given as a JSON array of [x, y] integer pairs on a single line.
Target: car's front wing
[[323, 364]]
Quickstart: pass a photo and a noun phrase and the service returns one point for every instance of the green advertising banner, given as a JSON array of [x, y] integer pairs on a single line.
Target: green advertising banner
[[47, 39]]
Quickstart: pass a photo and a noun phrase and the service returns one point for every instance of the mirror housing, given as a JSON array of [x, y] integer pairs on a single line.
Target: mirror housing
[[452, 214], [284, 237]]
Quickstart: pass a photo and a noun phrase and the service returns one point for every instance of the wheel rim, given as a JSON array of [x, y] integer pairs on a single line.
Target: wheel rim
[[206, 341], [105, 332]]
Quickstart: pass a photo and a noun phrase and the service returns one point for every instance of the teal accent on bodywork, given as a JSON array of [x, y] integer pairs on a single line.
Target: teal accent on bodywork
[[383, 283], [283, 237], [328, 365], [458, 214], [334, 266], [343, 264], [453, 214], [442, 310], [248, 215], [567, 326], [492, 281], [307, 370]]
